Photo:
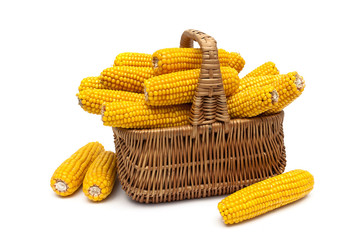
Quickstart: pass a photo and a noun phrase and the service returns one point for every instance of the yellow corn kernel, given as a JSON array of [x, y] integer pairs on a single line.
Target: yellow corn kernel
[[236, 61], [267, 68], [289, 88], [126, 78], [92, 99], [90, 83], [169, 60], [139, 115], [265, 196], [252, 102], [70, 174], [276, 80], [180, 87], [100, 178], [133, 59]]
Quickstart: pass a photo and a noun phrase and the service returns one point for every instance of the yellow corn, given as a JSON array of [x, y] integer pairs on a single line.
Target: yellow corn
[[169, 60], [236, 61], [252, 102], [100, 178], [265, 196], [179, 87], [139, 115], [133, 59], [92, 99], [289, 88], [70, 174], [126, 78], [275, 80], [90, 83], [267, 68]]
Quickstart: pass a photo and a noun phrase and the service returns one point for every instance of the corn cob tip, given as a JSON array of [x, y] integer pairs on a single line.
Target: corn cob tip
[[146, 94], [274, 96], [103, 109], [61, 186], [155, 61], [299, 82], [79, 101], [94, 190]]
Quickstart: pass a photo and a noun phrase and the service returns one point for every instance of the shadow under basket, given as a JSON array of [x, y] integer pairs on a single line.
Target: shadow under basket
[[163, 165], [213, 155]]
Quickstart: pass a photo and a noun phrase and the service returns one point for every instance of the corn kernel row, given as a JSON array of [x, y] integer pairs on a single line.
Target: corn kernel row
[[139, 115], [91, 100], [180, 87], [169, 60], [133, 59], [252, 102], [126, 78]]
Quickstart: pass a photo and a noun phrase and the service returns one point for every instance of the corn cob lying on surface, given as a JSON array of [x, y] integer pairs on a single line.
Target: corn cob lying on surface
[[265, 196], [100, 178], [70, 174]]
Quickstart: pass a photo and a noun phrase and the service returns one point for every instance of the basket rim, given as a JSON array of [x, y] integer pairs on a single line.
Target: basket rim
[[201, 128]]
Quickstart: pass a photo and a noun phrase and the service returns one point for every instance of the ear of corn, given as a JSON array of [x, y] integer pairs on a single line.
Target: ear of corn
[[133, 59], [169, 60], [90, 83], [290, 88], [252, 102], [236, 61], [180, 87], [100, 178], [126, 78], [70, 174], [139, 115], [275, 80], [92, 99], [267, 68], [265, 196]]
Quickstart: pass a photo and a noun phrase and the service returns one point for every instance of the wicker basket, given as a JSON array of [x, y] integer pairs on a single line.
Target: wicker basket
[[212, 156]]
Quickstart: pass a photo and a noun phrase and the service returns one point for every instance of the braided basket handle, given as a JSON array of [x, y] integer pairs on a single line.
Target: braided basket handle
[[209, 103]]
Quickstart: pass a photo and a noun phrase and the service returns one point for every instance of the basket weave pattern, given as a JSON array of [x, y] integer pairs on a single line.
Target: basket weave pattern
[[212, 156]]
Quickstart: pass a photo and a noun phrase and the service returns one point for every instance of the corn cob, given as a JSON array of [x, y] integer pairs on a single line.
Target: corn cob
[[90, 83], [265, 196], [126, 78], [179, 87], [69, 175], [100, 178], [236, 61], [289, 89], [92, 99], [267, 68], [133, 59], [252, 102], [169, 60], [139, 115]]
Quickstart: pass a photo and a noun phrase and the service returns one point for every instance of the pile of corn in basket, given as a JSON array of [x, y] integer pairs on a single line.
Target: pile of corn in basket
[[186, 126]]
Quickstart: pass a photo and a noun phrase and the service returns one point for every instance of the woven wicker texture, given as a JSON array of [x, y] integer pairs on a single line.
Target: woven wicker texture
[[212, 156]]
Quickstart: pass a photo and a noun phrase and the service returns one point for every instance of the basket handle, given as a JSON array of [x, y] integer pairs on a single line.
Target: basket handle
[[209, 103]]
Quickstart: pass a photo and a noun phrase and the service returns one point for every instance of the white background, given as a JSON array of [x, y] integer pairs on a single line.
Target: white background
[[48, 47]]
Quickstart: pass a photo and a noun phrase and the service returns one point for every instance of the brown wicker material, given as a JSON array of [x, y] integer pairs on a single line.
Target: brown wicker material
[[212, 156]]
